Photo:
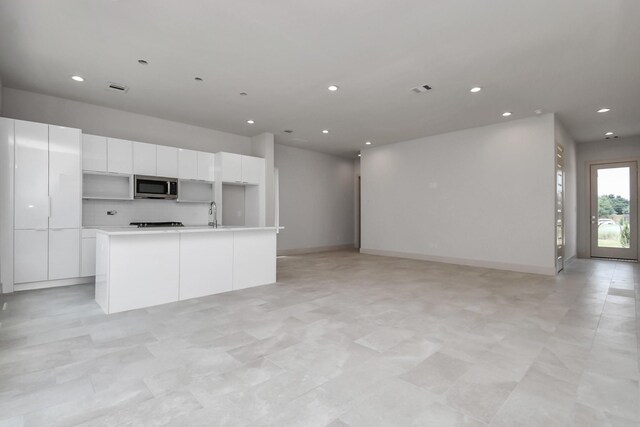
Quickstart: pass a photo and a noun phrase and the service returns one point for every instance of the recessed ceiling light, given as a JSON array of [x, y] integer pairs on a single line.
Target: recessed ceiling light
[[368, 143], [608, 134], [604, 110], [476, 89], [359, 155], [506, 114], [333, 88], [77, 78], [142, 62], [198, 79], [250, 122], [325, 131]]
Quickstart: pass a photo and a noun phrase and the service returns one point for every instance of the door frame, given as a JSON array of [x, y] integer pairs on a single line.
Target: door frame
[[560, 219], [592, 201]]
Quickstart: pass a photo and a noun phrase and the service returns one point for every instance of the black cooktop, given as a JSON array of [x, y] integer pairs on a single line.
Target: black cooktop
[[157, 224]]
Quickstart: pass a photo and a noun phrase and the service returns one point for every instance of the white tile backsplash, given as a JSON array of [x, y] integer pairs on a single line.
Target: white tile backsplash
[[94, 212]]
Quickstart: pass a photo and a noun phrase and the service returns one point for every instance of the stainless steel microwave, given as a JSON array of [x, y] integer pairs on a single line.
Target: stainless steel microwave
[[155, 187]]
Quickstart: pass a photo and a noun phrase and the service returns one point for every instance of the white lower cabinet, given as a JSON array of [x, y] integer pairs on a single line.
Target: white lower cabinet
[[88, 264], [206, 264], [254, 258], [64, 253], [145, 270], [30, 256], [137, 270]]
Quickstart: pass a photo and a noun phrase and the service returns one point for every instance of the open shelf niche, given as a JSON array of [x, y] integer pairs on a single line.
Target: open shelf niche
[[195, 191], [107, 186]]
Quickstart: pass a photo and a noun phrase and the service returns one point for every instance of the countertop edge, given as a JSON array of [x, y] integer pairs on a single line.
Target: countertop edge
[[147, 231]]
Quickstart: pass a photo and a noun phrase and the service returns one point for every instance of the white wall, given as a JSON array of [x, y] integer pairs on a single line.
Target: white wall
[[599, 151], [233, 205], [263, 146], [316, 199], [94, 212], [570, 191], [97, 120], [482, 196]]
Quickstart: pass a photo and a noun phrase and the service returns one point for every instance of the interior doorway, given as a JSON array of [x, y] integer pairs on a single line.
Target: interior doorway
[[614, 216]]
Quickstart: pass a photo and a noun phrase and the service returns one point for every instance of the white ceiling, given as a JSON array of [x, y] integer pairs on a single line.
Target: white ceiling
[[570, 57]]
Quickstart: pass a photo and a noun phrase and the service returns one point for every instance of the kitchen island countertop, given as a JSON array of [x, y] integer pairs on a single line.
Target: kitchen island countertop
[[116, 231]]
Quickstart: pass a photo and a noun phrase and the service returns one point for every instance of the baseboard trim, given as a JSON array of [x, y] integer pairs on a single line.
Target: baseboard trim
[[570, 260], [53, 283], [519, 268], [302, 251]]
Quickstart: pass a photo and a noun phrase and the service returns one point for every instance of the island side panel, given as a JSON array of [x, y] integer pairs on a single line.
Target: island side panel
[[254, 258], [206, 264], [102, 271], [144, 270]]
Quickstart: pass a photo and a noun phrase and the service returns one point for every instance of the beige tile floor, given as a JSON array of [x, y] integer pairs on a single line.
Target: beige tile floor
[[342, 340]]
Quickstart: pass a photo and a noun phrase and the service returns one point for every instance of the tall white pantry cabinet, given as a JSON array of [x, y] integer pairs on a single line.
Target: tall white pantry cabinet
[[40, 226]]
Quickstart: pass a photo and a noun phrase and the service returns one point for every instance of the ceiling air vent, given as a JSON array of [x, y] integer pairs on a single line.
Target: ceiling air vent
[[421, 89], [117, 87]]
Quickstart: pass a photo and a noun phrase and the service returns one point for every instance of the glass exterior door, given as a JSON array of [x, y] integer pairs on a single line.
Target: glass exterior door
[[614, 190]]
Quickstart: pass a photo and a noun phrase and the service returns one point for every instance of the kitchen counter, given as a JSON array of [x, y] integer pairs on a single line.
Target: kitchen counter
[[131, 230], [143, 267]]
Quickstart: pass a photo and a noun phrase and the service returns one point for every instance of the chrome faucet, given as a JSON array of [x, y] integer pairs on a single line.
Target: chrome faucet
[[213, 210]]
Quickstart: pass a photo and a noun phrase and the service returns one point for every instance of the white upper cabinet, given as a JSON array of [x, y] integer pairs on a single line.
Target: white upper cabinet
[[239, 169], [252, 170], [205, 166], [102, 154], [94, 153], [231, 167], [167, 161], [31, 175], [187, 164], [119, 156], [64, 177], [144, 159]]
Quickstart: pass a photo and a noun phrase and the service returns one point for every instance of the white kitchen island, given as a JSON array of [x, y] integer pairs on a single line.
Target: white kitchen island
[[138, 268]]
